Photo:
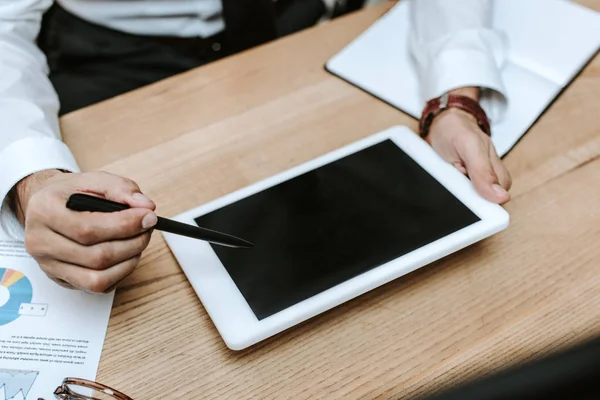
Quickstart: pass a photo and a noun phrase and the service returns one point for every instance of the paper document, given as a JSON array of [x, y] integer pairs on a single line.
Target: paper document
[[549, 42], [47, 332]]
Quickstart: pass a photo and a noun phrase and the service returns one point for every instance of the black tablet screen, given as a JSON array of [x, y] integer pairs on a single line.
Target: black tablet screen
[[331, 224]]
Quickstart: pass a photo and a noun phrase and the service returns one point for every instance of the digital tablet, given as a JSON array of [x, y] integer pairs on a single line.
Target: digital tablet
[[330, 230]]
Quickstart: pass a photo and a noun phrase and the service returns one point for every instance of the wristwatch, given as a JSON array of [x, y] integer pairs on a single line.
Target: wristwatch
[[436, 106]]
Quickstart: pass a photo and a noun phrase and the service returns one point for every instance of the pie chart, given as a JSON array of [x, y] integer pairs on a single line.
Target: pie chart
[[15, 289]]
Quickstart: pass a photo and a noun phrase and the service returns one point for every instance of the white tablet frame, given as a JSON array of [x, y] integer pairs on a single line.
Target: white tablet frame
[[227, 307]]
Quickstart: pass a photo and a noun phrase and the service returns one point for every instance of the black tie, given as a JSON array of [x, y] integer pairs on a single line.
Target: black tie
[[248, 23]]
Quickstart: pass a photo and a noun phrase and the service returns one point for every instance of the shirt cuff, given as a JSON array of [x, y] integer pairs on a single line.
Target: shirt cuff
[[450, 73], [25, 157]]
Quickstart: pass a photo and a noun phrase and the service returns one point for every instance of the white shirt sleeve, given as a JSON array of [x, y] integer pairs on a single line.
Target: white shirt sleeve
[[29, 131], [454, 45]]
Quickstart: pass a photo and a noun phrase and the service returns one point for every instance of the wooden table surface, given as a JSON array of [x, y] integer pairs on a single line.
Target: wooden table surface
[[527, 291]]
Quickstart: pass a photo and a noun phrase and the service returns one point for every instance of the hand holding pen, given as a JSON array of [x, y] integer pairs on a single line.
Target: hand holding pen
[[89, 251], [96, 240]]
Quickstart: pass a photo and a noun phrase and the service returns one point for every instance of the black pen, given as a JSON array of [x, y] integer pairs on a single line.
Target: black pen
[[84, 202]]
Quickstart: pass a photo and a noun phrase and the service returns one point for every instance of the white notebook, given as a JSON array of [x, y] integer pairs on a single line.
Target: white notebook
[[550, 41]]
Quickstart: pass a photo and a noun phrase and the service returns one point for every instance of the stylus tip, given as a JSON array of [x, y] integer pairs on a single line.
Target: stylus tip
[[247, 245], [239, 243]]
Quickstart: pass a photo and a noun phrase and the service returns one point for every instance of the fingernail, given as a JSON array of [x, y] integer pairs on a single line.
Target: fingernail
[[499, 189], [141, 197], [149, 220]]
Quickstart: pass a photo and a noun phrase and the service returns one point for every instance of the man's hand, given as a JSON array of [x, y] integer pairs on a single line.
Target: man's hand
[[84, 250], [455, 135]]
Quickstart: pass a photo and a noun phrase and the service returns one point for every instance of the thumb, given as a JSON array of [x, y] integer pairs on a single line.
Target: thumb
[[481, 172]]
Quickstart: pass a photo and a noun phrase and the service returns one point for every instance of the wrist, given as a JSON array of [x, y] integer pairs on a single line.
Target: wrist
[[20, 194], [470, 92], [464, 99], [453, 113]]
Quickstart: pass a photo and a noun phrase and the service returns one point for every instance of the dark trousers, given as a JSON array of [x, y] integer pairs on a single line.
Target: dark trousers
[[90, 63]]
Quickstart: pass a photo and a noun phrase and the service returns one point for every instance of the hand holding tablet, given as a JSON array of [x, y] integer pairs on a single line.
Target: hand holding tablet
[[329, 230]]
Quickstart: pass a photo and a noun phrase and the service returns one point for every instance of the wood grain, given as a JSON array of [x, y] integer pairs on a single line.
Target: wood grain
[[192, 138]]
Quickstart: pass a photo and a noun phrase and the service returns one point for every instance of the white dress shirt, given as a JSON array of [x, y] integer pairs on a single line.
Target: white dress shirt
[[451, 42]]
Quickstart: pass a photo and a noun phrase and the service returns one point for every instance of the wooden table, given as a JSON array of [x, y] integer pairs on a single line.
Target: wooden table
[[527, 291]]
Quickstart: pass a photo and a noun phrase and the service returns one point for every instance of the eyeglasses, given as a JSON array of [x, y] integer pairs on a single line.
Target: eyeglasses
[[82, 389]]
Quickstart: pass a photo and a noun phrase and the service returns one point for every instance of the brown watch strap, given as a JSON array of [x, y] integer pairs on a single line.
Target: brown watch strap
[[438, 105]]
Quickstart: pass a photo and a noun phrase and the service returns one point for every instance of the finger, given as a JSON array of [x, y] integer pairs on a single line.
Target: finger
[[89, 228], [115, 188], [91, 280], [475, 155], [504, 178], [460, 166], [99, 256], [63, 283]]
